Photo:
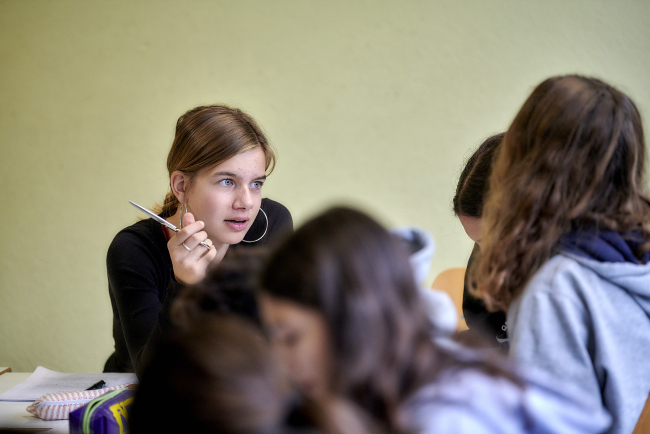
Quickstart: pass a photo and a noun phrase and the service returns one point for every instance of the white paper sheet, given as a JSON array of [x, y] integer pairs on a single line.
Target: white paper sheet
[[44, 381]]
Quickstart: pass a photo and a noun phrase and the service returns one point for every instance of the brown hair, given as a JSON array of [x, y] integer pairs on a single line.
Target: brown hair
[[228, 287], [216, 376], [350, 269], [572, 159], [473, 182], [207, 136]]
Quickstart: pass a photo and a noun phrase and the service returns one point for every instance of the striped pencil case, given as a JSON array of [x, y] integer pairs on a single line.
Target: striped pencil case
[[56, 406]]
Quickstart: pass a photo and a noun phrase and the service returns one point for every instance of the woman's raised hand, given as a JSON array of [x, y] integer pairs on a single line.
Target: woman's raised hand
[[189, 258]]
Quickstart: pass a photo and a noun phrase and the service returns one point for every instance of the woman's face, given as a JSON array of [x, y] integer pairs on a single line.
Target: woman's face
[[227, 197], [300, 337], [473, 228]]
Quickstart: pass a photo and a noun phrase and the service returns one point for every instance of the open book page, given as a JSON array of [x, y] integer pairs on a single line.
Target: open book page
[[44, 381]]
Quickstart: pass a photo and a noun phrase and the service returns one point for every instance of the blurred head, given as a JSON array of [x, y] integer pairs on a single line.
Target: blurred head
[[473, 185], [572, 159], [343, 312], [228, 288], [216, 376], [217, 165]]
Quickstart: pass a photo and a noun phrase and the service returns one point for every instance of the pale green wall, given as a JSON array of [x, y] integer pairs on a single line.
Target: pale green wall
[[374, 103]]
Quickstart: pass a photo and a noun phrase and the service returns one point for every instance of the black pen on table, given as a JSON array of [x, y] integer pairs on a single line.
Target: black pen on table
[[99, 385]]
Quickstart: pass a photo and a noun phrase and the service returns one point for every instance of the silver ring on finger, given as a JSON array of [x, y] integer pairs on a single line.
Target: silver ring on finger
[[187, 248]]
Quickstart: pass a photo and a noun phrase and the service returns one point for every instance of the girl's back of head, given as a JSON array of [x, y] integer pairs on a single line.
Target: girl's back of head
[[229, 287], [215, 376], [573, 158], [474, 180]]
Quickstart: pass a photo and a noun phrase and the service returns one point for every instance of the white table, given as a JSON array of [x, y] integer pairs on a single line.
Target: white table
[[14, 415]]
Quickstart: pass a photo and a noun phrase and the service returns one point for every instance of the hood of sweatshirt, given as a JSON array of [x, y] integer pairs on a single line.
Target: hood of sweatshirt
[[421, 247], [437, 304], [614, 258]]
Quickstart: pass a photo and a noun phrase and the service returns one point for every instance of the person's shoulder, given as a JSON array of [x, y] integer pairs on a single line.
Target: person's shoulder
[[559, 264], [275, 210], [280, 221], [142, 229], [560, 281], [563, 406], [465, 382], [144, 234], [560, 275], [467, 399], [464, 400]]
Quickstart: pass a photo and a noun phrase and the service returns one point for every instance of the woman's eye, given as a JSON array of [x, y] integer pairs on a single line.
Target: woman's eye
[[257, 184], [226, 182]]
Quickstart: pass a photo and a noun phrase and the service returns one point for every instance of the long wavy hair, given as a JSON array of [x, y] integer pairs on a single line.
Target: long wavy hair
[[347, 267], [572, 159]]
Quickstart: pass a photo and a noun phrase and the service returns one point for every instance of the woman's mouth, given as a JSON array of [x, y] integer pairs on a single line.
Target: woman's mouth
[[237, 225]]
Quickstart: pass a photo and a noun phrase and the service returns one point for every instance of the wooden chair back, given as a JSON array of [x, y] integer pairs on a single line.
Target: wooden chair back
[[452, 281], [643, 425]]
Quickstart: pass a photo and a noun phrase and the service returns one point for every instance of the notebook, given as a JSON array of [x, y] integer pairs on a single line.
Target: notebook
[[44, 381]]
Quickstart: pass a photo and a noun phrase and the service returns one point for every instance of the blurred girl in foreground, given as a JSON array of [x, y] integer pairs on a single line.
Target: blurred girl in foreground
[[567, 242], [344, 314], [215, 372], [214, 376]]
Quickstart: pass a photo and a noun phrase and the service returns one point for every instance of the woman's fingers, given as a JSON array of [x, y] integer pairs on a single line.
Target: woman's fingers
[[190, 259], [190, 227], [195, 239], [197, 249], [188, 219], [207, 257]]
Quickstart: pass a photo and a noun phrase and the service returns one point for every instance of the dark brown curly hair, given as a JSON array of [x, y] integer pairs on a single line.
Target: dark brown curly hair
[[572, 159]]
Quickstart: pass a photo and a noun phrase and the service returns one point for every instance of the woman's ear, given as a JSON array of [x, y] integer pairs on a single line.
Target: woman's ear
[[179, 183]]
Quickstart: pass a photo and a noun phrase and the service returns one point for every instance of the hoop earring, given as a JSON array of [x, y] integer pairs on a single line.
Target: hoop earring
[[267, 228], [181, 208]]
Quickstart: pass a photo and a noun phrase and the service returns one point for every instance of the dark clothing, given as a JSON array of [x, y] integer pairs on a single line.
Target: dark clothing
[[142, 286], [605, 246], [476, 315]]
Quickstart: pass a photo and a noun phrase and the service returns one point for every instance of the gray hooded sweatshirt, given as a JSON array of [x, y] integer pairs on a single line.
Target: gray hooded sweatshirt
[[587, 324]]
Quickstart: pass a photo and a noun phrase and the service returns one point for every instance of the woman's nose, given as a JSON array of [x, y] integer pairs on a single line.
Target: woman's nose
[[244, 199]]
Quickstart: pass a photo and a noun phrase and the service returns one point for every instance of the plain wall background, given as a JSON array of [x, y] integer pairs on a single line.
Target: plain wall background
[[371, 103]]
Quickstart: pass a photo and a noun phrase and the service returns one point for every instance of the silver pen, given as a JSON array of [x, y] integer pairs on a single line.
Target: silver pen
[[162, 221]]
